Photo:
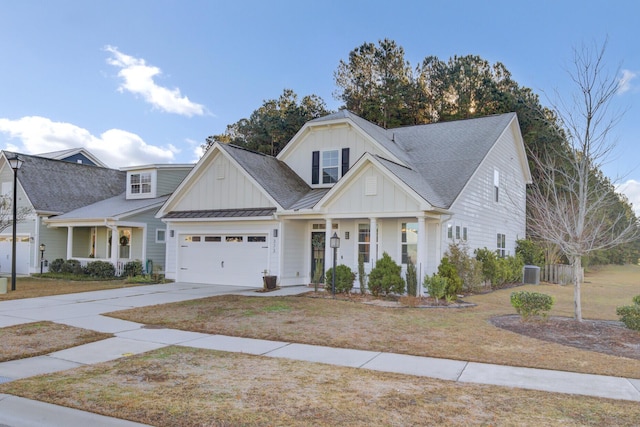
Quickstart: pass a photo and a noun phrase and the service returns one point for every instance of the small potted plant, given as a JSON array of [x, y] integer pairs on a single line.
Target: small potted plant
[[269, 281]]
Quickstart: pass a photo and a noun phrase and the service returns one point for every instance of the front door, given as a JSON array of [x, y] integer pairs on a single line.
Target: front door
[[317, 256]]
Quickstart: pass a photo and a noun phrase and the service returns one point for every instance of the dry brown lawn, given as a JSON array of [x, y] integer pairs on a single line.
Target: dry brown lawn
[[463, 334], [38, 338], [179, 387], [31, 287]]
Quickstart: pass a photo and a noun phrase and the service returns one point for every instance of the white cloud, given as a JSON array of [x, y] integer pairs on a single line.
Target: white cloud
[[624, 84], [115, 147], [137, 78], [631, 189]]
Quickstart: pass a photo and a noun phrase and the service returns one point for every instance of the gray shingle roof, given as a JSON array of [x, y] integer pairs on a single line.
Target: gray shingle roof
[[275, 176], [447, 154], [56, 186]]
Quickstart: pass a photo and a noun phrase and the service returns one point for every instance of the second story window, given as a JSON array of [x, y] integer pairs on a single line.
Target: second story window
[[141, 183], [330, 166]]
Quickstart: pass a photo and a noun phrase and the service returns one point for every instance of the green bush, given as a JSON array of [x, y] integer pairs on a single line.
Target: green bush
[[454, 283], [362, 275], [531, 252], [436, 286], [386, 278], [72, 266], [529, 304], [344, 279], [55, 266], [499, 271], [469, 269], [630, 314], [412, 279], [132, 268], [100, 269]]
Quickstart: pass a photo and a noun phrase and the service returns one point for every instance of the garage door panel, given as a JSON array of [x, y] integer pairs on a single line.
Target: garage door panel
[[236, 259]]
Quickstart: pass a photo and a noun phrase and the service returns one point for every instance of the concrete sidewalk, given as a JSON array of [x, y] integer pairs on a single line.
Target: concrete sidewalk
[[84, 310]]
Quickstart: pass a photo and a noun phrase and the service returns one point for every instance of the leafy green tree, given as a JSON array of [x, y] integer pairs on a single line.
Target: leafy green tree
[[271, 126]]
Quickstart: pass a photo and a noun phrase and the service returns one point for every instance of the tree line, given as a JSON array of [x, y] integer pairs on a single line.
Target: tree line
[[377, 83]]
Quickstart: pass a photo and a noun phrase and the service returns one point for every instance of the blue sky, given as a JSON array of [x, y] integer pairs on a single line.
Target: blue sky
[[140, 82]]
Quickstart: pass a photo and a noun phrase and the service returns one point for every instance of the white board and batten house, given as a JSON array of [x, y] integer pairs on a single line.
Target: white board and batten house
[[408, 191]]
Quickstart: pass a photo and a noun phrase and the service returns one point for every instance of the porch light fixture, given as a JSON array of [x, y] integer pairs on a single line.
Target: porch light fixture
[[42, 248], [334, 243], [15, 162]]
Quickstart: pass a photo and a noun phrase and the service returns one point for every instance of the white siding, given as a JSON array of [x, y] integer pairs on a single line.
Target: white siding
[[296, 264], [388, 197], [324, 139], [222, 186], [477, 209]]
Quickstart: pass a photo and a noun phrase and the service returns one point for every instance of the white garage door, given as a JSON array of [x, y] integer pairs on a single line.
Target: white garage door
[[22, 255], [237, 260]]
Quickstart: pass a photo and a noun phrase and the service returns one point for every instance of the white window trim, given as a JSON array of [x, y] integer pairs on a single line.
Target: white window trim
[[152, 184], [323, 166], [158, 232]]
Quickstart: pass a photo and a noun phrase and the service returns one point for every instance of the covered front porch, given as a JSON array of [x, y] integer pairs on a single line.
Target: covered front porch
[[114, 243]]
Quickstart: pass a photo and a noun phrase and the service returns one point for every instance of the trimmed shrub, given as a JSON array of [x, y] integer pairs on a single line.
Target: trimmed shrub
[[344, 279], [412, 279], [529, 304], [385, 277], [100, 269], [132, 268], [454, 283], [72, 266], [436, 286], [499, 271], [362, 279], [630, 314], [55, 266]]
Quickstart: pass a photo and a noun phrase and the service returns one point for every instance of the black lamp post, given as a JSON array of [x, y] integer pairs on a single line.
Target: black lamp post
[[42, 248], [15, 162], [334, 243]]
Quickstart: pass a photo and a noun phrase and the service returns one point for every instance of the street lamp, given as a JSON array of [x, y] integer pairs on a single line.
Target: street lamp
[[15, 162], [42, 248], [334, 243]]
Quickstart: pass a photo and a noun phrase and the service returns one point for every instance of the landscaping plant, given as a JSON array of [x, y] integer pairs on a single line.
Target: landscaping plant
[[529, 304], [436, 286], [630, 314], [412, 279], [454, 283], [344, 279], [385, 278]]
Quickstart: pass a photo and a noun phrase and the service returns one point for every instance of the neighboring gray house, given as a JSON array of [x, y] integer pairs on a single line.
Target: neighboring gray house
[[407, 191], [75, 155], [48, 187], [123, 228]]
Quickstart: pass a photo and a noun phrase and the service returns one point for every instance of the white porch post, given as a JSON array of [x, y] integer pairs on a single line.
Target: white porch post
[[373, 241], [69, 242], [114, 246], [422, 252], [328, 252]]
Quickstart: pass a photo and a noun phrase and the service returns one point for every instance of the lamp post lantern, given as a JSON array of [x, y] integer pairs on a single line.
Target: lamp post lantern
[[15, 162], [334, 243], [42, 248]]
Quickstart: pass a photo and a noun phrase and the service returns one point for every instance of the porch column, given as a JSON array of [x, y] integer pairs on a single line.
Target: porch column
[[373, 238], [328, 252], [422, 252], [114, 246], [69, 242]]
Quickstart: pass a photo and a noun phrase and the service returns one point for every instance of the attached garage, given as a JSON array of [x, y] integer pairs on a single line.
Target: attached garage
[[223, 259], [22, 255]]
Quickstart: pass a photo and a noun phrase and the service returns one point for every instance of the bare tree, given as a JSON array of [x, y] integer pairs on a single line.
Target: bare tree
[[6, 212], [572, 205]]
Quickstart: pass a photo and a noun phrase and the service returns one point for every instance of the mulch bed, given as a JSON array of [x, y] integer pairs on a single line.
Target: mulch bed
[[602, 336]]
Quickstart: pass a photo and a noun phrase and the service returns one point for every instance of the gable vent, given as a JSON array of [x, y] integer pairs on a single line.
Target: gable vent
[[371, 186]]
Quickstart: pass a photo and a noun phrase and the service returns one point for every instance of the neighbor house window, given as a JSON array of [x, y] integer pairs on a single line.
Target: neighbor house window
[[496, 185], [409, 239], [364, 242], [449, 231], [464, 233], [161, 235], [502, 245], [141, 183]]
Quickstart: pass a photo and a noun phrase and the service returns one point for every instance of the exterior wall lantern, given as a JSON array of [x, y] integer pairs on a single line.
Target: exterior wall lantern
[[42, 248]]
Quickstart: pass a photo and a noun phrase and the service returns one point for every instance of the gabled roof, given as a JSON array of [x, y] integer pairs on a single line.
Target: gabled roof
[[114, 208], [273, 175], [56, 186], [65, 154]]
